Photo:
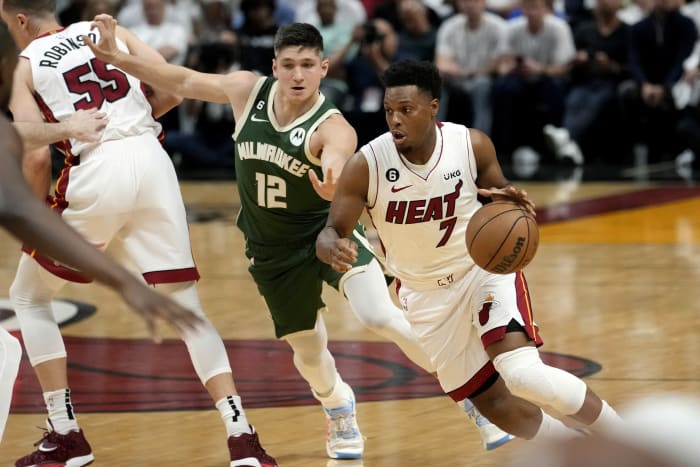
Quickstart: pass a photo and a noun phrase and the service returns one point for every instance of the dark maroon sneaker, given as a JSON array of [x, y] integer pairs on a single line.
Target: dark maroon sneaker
[[56, 450], [246, 451]]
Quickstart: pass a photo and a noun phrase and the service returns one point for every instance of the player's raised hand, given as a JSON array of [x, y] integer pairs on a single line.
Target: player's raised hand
[[87, 125], [326, 187], [152, 306], [511, 193], [106, 48]]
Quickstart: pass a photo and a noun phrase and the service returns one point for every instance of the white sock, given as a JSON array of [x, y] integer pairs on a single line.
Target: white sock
[[551, 428], [607, 419], [340, 395], [60, 409], [231, 410]]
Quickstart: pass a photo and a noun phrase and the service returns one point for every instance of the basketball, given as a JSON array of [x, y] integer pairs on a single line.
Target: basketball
[[502, 237]]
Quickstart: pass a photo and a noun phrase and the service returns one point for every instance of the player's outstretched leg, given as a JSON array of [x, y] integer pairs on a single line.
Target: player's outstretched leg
[[372, 305]]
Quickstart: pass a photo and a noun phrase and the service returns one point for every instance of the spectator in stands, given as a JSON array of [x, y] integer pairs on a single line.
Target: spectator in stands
[[339, 47], [215, 24], [378, 44], [469, 45], [530, 90], [349, 12], [257, 35], [284, 13], [686, 94], [389, 10], [598, 68], [659, 44], [169, 38], [182, 12], [504, 8], [418, 35], [577, 12], [635, 11]]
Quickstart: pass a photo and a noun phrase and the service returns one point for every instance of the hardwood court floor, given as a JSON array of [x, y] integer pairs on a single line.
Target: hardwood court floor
[[615, 282]]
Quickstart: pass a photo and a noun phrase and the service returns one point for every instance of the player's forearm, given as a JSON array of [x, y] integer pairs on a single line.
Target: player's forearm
[[164, 76], [162, 102], [38, 134], [324, 243]]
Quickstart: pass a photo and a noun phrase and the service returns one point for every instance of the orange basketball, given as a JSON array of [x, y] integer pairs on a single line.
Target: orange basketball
[[502, 237]]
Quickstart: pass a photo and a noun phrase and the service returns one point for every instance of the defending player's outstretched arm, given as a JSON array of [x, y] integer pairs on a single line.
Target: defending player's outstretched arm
[[232, 88]]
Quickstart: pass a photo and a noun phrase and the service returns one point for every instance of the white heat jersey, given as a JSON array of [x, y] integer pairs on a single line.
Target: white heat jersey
[[68, 77], [421, 212]]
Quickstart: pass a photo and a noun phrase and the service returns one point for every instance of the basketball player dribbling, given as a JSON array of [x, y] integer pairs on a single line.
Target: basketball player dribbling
[[121, 192], [420, 182], [28, 219], [291, 144]]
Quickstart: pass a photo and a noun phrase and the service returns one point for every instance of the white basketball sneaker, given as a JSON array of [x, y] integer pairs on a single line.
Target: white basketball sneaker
[[343, 437], [491, 436]]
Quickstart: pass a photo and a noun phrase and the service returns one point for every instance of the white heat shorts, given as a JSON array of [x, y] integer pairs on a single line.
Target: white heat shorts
[[456, 321], [124, 195]]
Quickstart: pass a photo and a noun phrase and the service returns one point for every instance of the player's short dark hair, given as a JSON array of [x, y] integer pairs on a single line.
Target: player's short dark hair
[[35, 7], [424, 75], [298, 35]]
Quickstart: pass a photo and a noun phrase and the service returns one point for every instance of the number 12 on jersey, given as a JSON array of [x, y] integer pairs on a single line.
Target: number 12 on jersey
[[272, 191]]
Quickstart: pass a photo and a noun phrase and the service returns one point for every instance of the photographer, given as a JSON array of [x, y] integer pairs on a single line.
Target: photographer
[[377, 44]]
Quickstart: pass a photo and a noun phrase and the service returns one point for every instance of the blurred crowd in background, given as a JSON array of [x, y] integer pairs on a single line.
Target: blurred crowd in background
[[559, 81]]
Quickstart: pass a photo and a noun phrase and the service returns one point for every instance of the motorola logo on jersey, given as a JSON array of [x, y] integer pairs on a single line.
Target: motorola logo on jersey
[[296, 137]]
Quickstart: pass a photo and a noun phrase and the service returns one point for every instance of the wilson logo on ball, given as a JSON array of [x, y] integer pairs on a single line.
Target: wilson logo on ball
[[502, 237], [507, 261]]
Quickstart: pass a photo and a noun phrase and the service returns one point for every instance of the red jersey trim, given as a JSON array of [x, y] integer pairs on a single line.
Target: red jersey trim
[[56, 268], [474, 383], [49, 33], [171, 276]]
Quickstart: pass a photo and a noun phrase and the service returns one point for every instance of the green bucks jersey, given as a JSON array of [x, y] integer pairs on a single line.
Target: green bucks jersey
[[278, 203]]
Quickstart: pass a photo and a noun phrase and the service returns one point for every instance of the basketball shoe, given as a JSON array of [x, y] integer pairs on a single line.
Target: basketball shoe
[[343, 437], [491, 436], [54, 449], [245, 450]]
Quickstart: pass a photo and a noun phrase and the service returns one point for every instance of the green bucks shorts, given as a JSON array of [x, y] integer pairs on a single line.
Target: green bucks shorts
[[290, 279]]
